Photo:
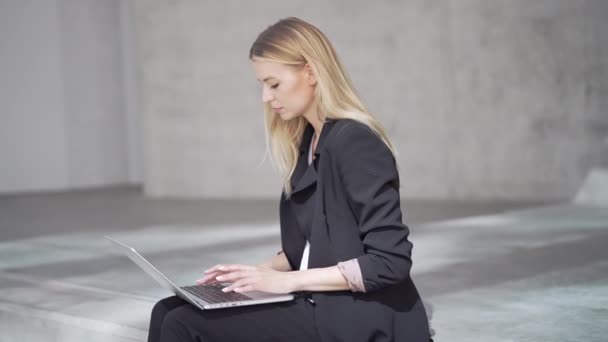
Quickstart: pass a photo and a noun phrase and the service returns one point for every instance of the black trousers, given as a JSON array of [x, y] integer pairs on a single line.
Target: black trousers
[[176, 320]]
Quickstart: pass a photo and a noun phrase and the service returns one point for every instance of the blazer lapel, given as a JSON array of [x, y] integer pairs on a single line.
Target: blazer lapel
[[303, 175], [302, 207]]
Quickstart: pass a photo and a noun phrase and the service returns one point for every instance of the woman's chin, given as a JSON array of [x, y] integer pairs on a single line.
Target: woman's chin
[[285, 116]]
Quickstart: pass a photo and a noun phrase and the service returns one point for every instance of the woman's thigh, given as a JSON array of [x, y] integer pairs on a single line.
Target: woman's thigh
[[285, 321], [159, 311]]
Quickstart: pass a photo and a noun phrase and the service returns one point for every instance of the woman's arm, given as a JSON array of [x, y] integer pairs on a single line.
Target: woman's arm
[[314, 279], [245, 278], [278, 262], [370, 180], [371, 183], [319, 279]]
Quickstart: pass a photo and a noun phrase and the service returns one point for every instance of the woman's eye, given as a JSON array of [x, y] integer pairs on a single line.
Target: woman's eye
[[274, 86]]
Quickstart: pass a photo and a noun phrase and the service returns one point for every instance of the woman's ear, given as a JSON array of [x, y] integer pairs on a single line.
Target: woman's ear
[[310, 74]]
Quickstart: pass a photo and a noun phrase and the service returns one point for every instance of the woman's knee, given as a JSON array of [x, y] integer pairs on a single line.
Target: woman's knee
[[175, 326], [164, 306], [159, 312]]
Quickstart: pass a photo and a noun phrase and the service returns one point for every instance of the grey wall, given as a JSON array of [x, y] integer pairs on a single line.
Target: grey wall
[[484, 99], [69, 109], [526, 110], [32, 143]]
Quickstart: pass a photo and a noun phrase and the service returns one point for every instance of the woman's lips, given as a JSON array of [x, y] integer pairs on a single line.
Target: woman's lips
[[278, 109]]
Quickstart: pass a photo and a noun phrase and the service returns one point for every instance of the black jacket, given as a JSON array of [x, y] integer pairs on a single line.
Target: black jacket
[[352, 197]]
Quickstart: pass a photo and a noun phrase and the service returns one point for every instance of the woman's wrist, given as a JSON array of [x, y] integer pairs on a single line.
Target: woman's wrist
[[317, 279], [278, 263], [294, 280], [265, 265]]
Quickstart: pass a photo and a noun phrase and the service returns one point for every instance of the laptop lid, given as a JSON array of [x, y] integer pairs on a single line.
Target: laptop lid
[[153, 271], [256, 296]]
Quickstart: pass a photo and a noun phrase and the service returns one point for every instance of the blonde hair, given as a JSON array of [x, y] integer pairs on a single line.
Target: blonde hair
[[294, 42]]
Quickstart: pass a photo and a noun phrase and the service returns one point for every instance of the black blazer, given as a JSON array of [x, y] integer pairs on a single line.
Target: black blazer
[[352, 196]]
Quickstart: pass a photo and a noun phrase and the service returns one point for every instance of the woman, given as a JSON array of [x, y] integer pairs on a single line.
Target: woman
[[345, 249]]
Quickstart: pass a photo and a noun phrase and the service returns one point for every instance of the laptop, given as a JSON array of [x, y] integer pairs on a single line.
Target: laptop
[[206, 296]]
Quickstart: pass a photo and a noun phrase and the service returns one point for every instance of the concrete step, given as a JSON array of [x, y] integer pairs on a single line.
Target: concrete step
[[594, 190], [480, 274], [76, 287]]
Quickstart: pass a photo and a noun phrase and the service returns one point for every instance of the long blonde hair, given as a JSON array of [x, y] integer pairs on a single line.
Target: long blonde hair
[[294, 42]]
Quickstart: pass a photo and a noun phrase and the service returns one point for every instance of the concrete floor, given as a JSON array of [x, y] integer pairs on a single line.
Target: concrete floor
[[492, 271]]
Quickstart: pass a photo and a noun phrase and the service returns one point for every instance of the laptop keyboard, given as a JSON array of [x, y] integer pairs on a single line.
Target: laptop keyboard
[[212, 293]]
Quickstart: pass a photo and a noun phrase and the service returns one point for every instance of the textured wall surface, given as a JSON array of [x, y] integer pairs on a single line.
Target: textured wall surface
[[484, 99], [63, 95]]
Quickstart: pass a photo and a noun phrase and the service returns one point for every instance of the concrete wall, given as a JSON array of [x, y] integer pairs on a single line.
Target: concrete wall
[[484, 99], [526, 80], [68, 98]]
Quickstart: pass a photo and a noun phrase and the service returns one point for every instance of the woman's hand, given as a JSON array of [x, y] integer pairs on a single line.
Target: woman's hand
[[245, 278], [210, 275]]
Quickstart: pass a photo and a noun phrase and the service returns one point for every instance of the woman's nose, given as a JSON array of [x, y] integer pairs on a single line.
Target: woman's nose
[[266, 95]]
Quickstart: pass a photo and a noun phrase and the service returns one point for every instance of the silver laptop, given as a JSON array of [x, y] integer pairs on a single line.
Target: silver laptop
[[207, 296]]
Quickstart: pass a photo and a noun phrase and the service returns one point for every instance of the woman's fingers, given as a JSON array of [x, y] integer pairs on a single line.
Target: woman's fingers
[[224, 272], [214, 268], [234, 267], [216, 277], [204, 280], [237, 286], [208, 279], [229, 267], [235, 275], [244, 288]]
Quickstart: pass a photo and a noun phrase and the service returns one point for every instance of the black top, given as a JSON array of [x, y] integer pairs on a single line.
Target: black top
[[302, 206]]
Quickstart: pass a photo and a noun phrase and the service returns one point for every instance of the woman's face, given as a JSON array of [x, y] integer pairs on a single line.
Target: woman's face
[[289, 91]]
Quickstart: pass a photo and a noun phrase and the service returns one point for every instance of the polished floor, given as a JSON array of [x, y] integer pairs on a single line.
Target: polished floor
[[492, 271]]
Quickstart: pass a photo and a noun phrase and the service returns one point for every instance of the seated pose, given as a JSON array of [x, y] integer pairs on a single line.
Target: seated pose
[[344, 247]]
